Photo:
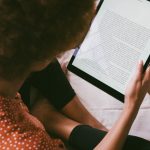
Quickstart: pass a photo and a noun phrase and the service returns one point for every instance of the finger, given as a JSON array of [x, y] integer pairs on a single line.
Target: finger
[[146, 83], [137, 76], [146, 78], [139, 71]]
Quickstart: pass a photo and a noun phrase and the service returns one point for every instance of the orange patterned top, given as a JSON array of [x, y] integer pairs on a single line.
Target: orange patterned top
[[21, 131]]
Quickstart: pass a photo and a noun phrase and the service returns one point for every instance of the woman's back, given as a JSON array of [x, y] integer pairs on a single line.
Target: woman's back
[[20, 130]]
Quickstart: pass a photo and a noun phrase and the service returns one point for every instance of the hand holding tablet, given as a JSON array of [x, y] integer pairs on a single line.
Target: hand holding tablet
[[137, 87]]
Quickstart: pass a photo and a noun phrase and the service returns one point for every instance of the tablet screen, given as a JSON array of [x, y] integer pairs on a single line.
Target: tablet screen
[[118, 38]]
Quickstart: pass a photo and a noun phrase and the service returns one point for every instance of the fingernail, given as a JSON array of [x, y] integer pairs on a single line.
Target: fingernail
[[149, 67], [140, 62]]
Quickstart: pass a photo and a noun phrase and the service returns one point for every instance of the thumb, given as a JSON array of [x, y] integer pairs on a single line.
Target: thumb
[[139, 72]]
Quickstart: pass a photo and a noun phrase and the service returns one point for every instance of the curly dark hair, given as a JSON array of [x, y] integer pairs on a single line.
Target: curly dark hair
[[34, 30]]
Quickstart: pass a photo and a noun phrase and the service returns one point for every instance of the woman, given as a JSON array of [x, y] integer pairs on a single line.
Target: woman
[[32, 34], [28, 42]]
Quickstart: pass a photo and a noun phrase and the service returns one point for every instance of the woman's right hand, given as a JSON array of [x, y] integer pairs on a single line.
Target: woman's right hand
[[137, 88], [135, 93]]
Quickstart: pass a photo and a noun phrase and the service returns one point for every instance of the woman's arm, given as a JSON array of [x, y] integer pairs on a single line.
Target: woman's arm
[[53, 121], [115, 138], [76, 111]]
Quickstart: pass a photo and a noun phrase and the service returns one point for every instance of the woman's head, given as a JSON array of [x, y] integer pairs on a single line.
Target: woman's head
[[37, 30]]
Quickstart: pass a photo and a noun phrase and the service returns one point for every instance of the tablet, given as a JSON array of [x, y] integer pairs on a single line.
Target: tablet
[[118, 38]]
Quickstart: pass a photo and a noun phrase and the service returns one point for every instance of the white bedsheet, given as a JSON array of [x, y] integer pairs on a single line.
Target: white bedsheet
[[104, 107]]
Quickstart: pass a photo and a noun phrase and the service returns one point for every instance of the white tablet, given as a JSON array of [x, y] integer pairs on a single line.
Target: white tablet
[[118, 38]]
